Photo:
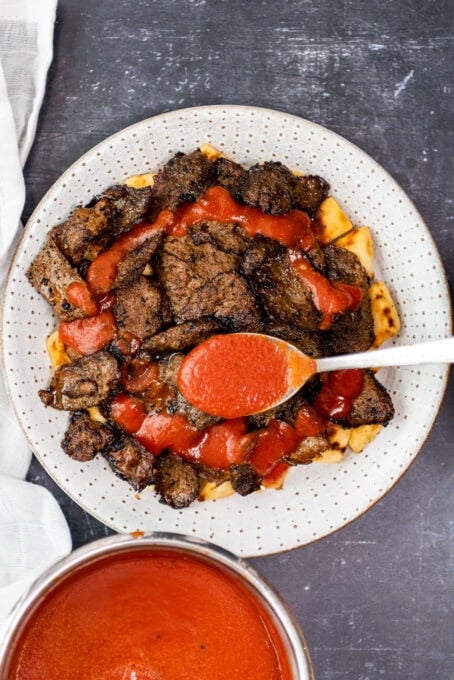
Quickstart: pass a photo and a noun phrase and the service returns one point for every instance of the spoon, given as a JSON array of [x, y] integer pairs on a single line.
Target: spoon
[[241, 374]]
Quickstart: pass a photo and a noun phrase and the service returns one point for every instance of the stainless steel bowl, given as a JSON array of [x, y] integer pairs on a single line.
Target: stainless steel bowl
[[284, 622]]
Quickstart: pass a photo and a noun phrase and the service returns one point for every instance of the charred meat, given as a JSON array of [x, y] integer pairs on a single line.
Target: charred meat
[[84, 383], [85, 438], [177, 481]]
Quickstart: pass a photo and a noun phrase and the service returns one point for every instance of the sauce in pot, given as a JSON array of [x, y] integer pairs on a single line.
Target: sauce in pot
[[150, 616]]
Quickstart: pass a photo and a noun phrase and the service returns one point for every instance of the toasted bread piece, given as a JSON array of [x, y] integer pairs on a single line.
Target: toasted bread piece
[[56, 351], [141, 181], [361, 436], [359, 241], [333, 222], [384, 313]]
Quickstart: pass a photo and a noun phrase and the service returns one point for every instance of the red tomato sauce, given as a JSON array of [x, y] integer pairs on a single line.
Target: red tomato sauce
[[292, 229], [90, 334], [330, 297], [148, 616], [237, 374], [338, 392]]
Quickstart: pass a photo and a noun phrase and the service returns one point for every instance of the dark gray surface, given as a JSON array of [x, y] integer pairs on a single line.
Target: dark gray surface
[[373, 599]]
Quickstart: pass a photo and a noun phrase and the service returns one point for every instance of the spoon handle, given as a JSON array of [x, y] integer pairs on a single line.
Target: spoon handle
[[433, 352]]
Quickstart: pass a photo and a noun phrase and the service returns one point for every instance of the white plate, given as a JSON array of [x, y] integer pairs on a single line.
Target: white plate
[[317, 499]]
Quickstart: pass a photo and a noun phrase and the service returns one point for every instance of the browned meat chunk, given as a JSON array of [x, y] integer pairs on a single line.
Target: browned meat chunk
[[184, 178], [132, 265], [140, 309], [85, 383], [316, 257], [128, 205], [201, 280], [244, 479], [353, 331], [197, 418], [308, 449], [307, 341], [182, 336], [373, 405], [282, 291], [308, 192], [130, 461], [231, 176], [84, 227], [51, 274], [230, 238], [85, 438], [176, 403], [269, 186], [343, 265], [286, 411], [177, 481], [95, 225]]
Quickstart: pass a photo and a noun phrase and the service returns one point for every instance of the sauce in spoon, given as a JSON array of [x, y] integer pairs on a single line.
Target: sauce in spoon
[[245, 373], [241, 373]]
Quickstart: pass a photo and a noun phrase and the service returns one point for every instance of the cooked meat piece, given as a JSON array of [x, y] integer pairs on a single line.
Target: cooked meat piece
[[308, 449], [197, 418], [168, 369], [95, 225], [128, 205], [316, 257], [201, 280], [236, 307], [84, 437], [231, 176], [51, 274], [343, 265], [353, 331], [133, 263], [182, 336], [373, 405], [183, 178], [177, 481], [215, 475], [269, 186], [307, 341], [286, 411], [84, 227], [244, 479], [131, 462], [308, 192], [230, 238], [176, 403], [138, 309], [282, 291], [85, 383]]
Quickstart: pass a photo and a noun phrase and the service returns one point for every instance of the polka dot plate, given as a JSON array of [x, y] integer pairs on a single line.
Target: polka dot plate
[[316, 499]]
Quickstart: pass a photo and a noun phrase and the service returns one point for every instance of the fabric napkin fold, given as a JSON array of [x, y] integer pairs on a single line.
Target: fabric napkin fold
[[33, 530]]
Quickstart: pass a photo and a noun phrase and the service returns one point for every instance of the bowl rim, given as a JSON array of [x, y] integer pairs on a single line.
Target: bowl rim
[[261, 588]]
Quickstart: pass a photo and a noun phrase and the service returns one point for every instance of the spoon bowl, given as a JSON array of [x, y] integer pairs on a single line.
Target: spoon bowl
[[220, 375]]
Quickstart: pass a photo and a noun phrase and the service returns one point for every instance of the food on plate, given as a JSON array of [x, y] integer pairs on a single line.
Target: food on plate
[[150, 269]]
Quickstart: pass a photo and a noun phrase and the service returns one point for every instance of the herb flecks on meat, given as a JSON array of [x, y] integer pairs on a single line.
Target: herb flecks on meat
[[138, 277]]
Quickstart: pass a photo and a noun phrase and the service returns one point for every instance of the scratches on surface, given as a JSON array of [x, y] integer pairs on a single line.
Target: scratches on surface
[[403, 84]]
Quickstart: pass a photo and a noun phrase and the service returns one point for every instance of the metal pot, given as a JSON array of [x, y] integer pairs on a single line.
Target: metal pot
[[292, 638]]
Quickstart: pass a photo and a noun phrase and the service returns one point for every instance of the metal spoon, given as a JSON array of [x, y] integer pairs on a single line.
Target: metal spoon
[[232, 375], [432, 352]]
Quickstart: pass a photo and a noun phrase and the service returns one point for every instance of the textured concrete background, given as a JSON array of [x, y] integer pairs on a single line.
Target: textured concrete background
[[373, 599]]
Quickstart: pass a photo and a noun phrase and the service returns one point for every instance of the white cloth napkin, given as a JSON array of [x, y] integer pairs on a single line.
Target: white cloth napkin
[[33, 530]]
